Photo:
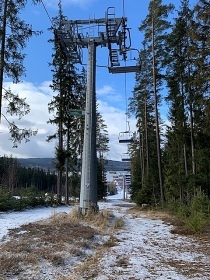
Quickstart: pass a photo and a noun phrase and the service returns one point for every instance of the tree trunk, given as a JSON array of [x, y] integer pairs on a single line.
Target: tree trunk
[[157, 118], [146, 137], [67, 169], [192, 140], [3, 37], [60, 173], [141, 150]]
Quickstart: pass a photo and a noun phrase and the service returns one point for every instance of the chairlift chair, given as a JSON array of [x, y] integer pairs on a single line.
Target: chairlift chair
[[116, 68], [127, 169], [128, 166], [124, 69], [126, 157], [126, 137]]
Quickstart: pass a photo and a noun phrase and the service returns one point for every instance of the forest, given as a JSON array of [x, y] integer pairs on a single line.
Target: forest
[[22, 187], [170, 158], [69, 87]]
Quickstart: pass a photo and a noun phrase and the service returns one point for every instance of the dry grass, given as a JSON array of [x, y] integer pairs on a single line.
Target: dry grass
[[111, 242], [203, 238], [101, 219], [123, 262], [67, 247], [62, 241], [119, 223], [150, 214], [53, 241]]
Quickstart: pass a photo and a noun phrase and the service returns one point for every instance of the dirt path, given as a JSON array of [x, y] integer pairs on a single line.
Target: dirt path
[[134, 245], [147, 250]]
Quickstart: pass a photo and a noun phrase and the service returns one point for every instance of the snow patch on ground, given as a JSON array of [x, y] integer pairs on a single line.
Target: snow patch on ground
[[149, 250], [146, 249], [10, 220]]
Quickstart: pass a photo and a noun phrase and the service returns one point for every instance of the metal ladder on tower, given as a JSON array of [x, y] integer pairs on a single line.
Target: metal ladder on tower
[[114, 57], [111, 34], [111, 23]]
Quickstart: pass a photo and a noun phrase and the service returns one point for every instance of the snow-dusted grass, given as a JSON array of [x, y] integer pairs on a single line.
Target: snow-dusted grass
[[49, 248], [66, 247], [9, 220]]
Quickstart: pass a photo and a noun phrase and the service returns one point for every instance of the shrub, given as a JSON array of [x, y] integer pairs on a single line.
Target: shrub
[[199, 212], [142, 197], [6, 199], [194, 214], [28, 198], [200, 202], [196, 222]]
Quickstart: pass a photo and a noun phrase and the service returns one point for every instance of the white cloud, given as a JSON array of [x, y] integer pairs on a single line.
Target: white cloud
[[110, 95], [105, 90], [115, 119], [38, 96]]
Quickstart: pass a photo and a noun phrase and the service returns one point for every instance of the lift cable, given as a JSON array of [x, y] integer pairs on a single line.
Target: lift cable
[[127, 135], [46, 12], [123, 8], [126, 105], [125, 84]]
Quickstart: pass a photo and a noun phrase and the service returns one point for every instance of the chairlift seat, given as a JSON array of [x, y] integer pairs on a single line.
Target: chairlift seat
[[127, 169], [126, 141], [126, 157], [124, 69], [126, 137]]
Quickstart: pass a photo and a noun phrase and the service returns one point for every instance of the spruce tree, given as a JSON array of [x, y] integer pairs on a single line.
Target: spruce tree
[[144, 152], [69, 88], [102, 147], [15, 33], [178, 135], [187, 79], [155, 28]]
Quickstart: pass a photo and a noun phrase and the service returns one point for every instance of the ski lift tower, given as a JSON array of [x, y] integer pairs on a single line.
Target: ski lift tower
[[72, 36]]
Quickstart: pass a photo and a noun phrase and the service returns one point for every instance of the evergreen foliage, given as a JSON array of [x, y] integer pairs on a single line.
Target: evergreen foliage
[[181, 70], [146, 101], [102, 141], [15, 33], [69, 87], [22, 187], [193, 215], [15, 177]]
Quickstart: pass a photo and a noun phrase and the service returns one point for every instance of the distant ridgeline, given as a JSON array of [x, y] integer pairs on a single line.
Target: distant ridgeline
[[49, 164], [41, 163], [113, 165]]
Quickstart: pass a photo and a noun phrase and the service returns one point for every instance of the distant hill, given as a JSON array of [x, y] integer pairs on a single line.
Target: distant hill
[[48, 164], [42, 163], [113, 165]]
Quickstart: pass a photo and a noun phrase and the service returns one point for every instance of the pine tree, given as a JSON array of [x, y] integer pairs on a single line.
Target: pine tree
[[143, 151], [155, 28], [187, 142], [15, 33], [178, 135], [102, 147], [70, 88]]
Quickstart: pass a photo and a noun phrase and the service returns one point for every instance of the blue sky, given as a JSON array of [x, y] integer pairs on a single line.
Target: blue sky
[[112, 94]]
